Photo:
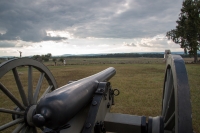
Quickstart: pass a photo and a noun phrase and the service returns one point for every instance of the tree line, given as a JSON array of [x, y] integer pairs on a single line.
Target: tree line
[[127, 55], [46, 58]]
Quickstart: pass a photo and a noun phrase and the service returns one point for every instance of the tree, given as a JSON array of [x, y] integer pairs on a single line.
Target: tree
[[45, 59], [48, 55], [187, 32], [35, 57], [54, 59], [61, 59], [42, 57]]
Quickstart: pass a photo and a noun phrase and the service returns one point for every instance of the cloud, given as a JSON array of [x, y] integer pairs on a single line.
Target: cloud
[[129, 44], [29, 36], [6, 45], [145, 45], [16, 44], [9, 44], [103, 45], [49, 38], [158, 41], [25, 21], [30, 21]]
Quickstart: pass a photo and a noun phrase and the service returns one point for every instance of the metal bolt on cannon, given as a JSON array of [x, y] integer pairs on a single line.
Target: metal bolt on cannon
[[83, 106]]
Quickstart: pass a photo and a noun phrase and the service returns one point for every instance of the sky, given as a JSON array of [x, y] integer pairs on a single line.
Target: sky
[[37, 27]]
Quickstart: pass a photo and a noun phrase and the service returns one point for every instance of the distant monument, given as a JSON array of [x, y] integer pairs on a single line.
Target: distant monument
[[167, 52], [20, 54], [64, 62]]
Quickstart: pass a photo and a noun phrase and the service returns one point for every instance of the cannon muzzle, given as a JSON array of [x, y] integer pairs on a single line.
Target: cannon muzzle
[[58, 107]]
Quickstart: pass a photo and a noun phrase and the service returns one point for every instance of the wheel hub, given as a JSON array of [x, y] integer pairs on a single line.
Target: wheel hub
[[30, 111]]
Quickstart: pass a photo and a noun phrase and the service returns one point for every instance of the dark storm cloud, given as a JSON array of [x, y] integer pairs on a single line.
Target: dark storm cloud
[[9, 44], [6, 45], [25, 20], [30, 20]]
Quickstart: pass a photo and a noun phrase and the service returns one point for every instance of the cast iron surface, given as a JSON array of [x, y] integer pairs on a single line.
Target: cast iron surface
[[89, 125], [22, 114], [68, 100], [176, 106]]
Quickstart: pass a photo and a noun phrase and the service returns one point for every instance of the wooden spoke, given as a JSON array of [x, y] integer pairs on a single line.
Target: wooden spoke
[[18, 128], [170, 124], [11, 111], [20, 87], [168, 90], [11, 96], [30, 85], [171, 106], [35, 97], [47, 91], [12, 123]]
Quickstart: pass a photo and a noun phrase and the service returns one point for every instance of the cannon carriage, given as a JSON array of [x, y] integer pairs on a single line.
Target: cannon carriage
[[83, 106]]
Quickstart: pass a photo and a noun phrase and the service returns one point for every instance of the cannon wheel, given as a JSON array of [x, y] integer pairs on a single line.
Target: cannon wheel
[[21, 115], [176, 105]]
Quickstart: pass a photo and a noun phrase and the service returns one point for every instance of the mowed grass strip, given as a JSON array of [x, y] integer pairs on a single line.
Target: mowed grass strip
[[140, 83]]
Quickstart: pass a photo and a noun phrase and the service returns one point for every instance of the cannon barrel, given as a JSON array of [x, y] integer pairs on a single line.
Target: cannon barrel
[[58, 107]]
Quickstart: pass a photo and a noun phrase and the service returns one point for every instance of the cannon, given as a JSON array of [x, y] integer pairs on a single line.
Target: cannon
[[83, 106]]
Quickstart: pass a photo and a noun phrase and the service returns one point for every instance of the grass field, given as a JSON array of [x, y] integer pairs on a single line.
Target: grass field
[[140, 81]]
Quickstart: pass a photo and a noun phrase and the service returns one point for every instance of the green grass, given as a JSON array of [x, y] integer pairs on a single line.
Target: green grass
[[140, 81], [193, 75], [141, 89]]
